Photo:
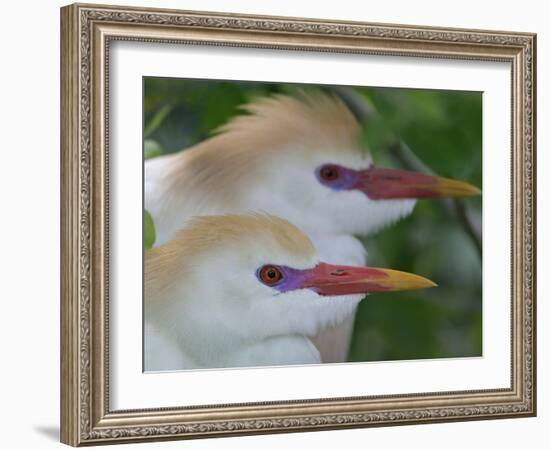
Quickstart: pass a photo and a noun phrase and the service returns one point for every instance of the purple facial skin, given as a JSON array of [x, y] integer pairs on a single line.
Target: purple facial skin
[[346, 179], [292, 278]]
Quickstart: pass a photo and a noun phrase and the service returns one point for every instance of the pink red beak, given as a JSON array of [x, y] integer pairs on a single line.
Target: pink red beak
[[333, 280], [380, 183]]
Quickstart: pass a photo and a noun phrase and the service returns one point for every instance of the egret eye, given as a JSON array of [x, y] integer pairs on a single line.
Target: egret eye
[[329, 172], [270, 275]]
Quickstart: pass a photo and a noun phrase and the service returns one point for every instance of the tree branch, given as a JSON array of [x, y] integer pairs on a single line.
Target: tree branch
[[453, 207]]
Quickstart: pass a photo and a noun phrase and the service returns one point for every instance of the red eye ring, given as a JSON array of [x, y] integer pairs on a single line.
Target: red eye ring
[[329, 172], [270, 274]]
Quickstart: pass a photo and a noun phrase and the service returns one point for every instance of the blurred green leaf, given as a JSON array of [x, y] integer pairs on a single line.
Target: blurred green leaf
[[151, 149], [157, 120], [403, 326], [149, 235]]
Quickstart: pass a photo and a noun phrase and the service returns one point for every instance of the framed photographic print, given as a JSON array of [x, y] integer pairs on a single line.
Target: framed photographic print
[[276, 224]]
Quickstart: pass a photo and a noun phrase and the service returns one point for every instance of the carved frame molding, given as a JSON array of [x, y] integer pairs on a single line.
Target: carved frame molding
[[86, 32]]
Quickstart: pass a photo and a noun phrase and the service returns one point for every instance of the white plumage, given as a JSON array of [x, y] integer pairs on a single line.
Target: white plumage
[[208, 305]]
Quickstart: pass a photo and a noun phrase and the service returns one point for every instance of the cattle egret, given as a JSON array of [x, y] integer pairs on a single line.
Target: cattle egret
[[299, 158], [235, 291]]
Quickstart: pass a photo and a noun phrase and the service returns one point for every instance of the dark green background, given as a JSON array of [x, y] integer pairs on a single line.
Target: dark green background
[[443, 129]]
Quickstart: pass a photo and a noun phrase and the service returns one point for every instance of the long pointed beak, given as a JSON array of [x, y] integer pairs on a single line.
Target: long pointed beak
[[333, 280], [381, 183]]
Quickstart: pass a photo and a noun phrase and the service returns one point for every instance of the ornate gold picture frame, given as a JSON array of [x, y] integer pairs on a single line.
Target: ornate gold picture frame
[[87, 32]]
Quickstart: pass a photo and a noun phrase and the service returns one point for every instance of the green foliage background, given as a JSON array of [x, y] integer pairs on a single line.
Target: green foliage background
[[444, 130]]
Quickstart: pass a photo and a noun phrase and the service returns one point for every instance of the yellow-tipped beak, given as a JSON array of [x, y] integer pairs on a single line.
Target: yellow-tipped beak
[[329, 279], [380, 183], [396, 280], [447, 187]]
